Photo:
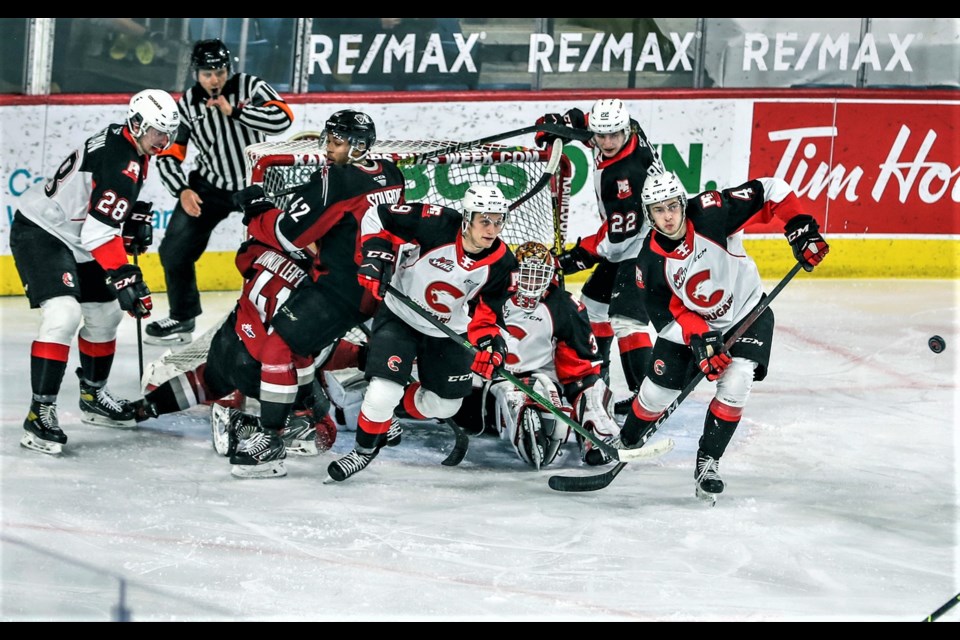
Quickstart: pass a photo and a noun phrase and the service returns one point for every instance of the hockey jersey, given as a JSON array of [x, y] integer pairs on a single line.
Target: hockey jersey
[[554, 338], [90, 195], [618, 182], [322, 220], [462, 290], [704, 281], [269, 278]]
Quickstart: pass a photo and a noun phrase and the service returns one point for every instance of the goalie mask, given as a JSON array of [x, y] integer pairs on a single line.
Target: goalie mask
[[535, 274], [356, 128], [153, 109], [483, 199]]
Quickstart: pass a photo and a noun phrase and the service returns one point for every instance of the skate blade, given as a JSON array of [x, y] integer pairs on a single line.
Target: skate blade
[[708, 499], [273, 469], [98, 420], [172, 340], [332, 480], [28, 441]]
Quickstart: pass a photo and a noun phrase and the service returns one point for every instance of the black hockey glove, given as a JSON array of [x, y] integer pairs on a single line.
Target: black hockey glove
[[376, 266], [576, 259], [809, 247], [132, 292], [137, 229], [491, 353], [572, 118], [713, 360], [253, 202]]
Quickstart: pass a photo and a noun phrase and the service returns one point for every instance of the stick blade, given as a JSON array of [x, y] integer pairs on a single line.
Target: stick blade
[[580, 484], [456, 455]]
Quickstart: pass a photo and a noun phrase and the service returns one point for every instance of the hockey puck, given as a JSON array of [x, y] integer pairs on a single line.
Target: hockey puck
[[936, 344]]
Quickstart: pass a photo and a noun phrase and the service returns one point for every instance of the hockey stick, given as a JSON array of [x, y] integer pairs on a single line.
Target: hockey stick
[[558, 130], [460, 447], [611, 452], [601, 480], [556, 152], [139, 331], [422, 158], [949, 604]]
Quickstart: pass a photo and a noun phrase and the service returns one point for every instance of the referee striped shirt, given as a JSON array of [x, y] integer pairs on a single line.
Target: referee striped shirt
[[218, 140]]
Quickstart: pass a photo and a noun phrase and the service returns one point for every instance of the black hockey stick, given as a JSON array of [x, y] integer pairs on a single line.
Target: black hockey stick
[[949, 604], [567, 133], [139, 331], [611, 452], [556, 153], [462, 443], [601, 480]]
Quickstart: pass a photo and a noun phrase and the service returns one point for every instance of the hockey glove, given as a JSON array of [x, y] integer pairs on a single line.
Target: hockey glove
[[809, 247], [132, 292], [577, 259], [137, 229], [376, 266], [491, 352], [572, 118], [253, 202], [709, 354]]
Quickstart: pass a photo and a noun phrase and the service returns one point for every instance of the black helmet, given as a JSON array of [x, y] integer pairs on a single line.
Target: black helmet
[[210, 54], [355, 127]]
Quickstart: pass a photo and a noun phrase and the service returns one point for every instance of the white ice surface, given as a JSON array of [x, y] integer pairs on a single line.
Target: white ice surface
[[841, 500]]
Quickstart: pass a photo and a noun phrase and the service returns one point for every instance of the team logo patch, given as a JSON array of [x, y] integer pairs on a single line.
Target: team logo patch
[[68, 279], [640, 284], [248, 330], [623, 189], [444, 264], [659, 367], [393, 363], [132, 171]]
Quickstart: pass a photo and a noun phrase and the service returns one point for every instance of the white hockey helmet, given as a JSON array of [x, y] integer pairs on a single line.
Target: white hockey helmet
[[608, 116], [535, 274], [660, 187], [156, 109], [483, 199]]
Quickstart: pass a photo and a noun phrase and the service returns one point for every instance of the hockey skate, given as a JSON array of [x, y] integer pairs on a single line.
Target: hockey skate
[[100, 408], [228, 427], [342, 468], [42, 430], [621, 408], [167, 332], [300, 434], [259, 455], [394, 433], [709, 482]]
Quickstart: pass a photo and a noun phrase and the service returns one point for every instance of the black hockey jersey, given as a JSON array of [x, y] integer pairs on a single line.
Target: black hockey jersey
[[705, 281], [618, 182], [90, 195], [327, 212], [554, 338], [464, 291]]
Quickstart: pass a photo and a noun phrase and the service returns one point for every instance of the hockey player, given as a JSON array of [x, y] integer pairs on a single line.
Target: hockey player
[[457, 269], [233, 363], [66, 240], [552, 348], [321, 225], [701, 284], [623, 158], [222, 113]]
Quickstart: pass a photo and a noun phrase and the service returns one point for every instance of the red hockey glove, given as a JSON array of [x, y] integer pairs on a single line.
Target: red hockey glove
[[137, 229], [376, 266], [491, 352], [132, 292], [709, 354], [809, 247], [573, 118]]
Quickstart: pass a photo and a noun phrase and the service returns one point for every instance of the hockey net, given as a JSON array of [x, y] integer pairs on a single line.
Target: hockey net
[[281, 165]]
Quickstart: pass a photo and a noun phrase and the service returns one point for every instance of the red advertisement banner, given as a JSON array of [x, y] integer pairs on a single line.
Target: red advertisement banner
[[874, 168]]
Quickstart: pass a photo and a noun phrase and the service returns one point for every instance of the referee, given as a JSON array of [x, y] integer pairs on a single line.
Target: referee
[[220, 115]]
